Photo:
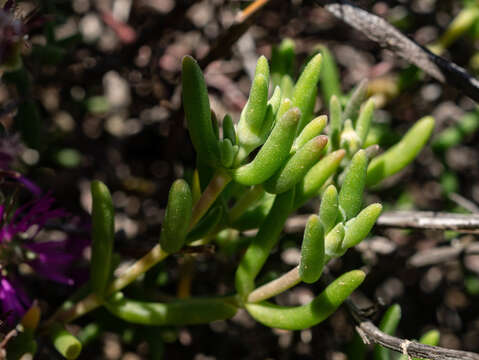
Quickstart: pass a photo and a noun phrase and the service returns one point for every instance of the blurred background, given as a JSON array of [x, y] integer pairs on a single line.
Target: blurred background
[[98, 97]]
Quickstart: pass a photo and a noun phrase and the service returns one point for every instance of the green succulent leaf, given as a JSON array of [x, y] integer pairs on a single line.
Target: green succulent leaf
[[359, 227], [179, 312], [296, 167], [228, 152], [305, 90], [364, 120], [177, 217], [329, 208], [317, 176], [229, 131], [272, 154], [310, 131], [253, 114], [198, 114], [306, 316], [312, 251], [356, 99], [329, 77], [351, 193], [282, 60], [65, 343], [401, 154], [103, 234], [336, 122], [333, 242]]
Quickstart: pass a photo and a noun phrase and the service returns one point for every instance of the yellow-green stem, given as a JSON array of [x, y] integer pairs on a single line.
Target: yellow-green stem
[[275, 287], [253, 194], [154, 256], [211, 193], [91, 302]]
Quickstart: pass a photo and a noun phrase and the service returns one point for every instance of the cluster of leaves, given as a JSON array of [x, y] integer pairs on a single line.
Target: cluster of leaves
[[253, 175]]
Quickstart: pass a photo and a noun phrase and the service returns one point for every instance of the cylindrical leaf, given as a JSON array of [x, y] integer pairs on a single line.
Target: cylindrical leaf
[[253, 114], [306, 316], [229, 131], [227, 152], [103, 232], [312, 251], [306, 88], [333, 242], [272, 154], [282, 60], [359, 227], [285, 105], [355, 101], [317, 176], [287, 87], [329, 79], [430, 338], [65, 343], [198, 113], [329, 208], [310, 131], [296, 167], [177, 217], [401, 154], [180, 312], [335, 122], [272, 109], [351, 193], [364, 120]]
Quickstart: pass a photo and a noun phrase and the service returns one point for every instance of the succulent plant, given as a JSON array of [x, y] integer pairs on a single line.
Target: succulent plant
[[254, 175]]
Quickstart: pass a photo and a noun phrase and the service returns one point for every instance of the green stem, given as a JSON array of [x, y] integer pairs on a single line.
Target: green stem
[[275, 287], [279, 285], [253, 194], [91, 302], [154, 256], [211, 193]]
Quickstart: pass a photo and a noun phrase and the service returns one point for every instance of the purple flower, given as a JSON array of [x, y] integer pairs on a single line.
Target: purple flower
[[13, 300], [35, 213], [54, 259]]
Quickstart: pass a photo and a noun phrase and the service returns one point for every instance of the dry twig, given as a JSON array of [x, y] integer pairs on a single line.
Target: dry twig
[[426, 220], [360, 308], [371, 334], [430, 220], [386, 35], [442, 254]]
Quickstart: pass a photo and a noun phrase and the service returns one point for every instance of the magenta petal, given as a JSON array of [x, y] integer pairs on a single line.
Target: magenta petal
[[51, 272], [54, 259], [36, 212], [13, 300], [34, 189]]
